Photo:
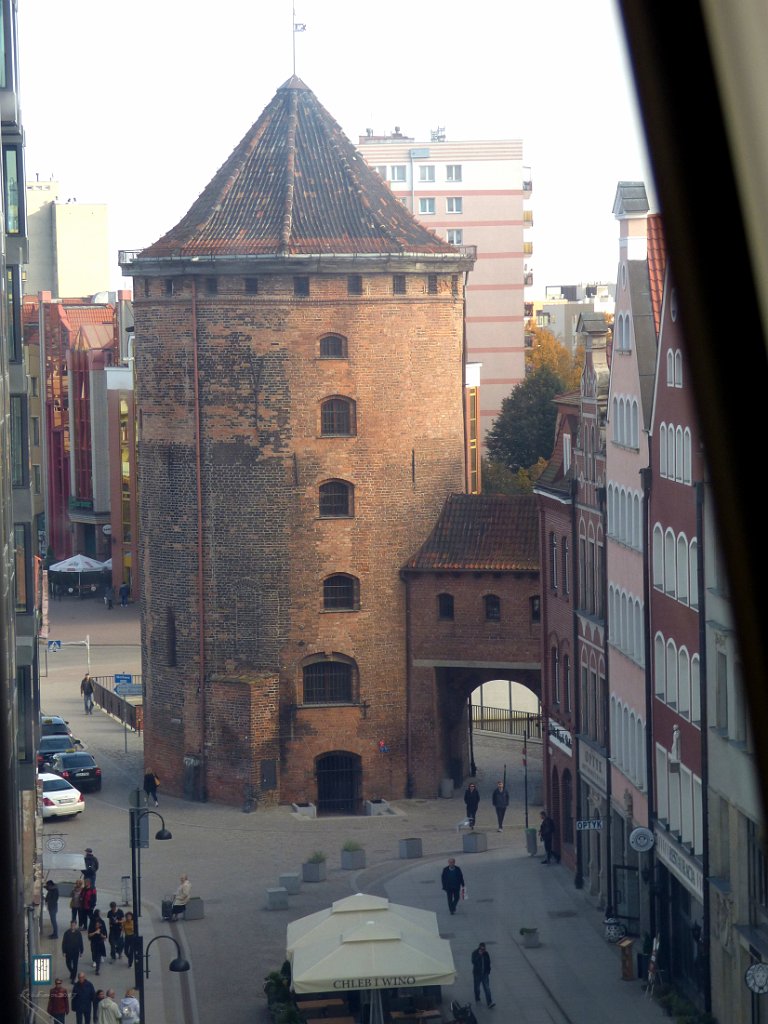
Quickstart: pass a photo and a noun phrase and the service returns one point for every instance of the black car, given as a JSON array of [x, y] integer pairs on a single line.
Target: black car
[[54, 725], [77, 767], [50, 745]]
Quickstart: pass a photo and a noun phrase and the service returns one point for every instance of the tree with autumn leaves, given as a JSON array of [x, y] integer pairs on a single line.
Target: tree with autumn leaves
[[520, 441]]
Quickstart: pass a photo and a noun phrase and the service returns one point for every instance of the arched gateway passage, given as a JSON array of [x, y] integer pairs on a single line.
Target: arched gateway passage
[[339, 775]]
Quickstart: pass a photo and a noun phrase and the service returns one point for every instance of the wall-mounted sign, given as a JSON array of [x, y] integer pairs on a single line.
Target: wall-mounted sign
[[682, 865], [592, 768], [589, 825], [641, 839], [559, 737]]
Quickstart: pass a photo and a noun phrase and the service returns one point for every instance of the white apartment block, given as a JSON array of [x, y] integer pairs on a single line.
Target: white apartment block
[[473, 194]]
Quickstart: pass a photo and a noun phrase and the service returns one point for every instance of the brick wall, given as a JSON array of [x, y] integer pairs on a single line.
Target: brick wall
[[265, 549]]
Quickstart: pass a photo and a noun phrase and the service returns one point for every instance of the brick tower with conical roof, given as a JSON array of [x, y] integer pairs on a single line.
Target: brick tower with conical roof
[[299, 394]]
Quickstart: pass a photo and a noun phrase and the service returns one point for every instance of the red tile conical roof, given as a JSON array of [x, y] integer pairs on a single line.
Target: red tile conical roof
[[295, 185]]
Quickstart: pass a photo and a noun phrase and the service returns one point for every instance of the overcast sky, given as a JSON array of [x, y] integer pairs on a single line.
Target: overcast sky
[[137, 105]]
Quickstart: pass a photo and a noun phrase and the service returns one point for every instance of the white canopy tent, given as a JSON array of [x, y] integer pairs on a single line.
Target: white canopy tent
[[77, 563], [336, 951]]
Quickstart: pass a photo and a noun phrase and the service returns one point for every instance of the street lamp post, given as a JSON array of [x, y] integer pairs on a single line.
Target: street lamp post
[[137, 815]]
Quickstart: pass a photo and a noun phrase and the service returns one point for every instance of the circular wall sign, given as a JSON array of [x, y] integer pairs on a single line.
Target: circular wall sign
[[641, 839], [55, 843], [756, 978]]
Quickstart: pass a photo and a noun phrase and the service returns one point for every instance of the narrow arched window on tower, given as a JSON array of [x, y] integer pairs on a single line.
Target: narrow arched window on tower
[[336, 500], [492, 608], [170, 637], [333, 346], [341, 592], [337, 417]]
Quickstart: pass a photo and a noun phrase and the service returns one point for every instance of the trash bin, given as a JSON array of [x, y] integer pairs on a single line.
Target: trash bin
[[531, 844]]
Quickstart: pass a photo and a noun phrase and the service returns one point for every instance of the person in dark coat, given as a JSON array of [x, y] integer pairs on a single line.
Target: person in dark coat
[[58, 1002], [481, 974], [72, 948], [91, 866], [124, 592], [453, 882], [547, 836], [83, 999], [472, 802], [500, 800], [151, 782], [87, 904], [52, 902], [97, 934], [115, 917]]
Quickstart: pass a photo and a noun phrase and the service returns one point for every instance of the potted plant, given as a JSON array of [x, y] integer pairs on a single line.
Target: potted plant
[[352, 856], [313, 869], [530, 937], [277, 988]]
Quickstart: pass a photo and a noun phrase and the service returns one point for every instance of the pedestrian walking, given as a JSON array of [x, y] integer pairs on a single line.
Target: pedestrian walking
[[83, 999], [109, 596], [547, 836], [181, 899], [109, 1011], [472, 802], [87, 691], [97, 934], [52, 902], [74, 900], [87, 903], [72, 948], [91, 866], [128, 933], [125, 591], [481, 974], [130, 1012], [500, 801], [453, 882], [151, 782], [58, 1002], [115, 918]]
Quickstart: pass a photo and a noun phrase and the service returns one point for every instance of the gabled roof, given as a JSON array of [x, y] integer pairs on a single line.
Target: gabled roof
[[483, 533], [630, 199], [556, 479], [295, 185]]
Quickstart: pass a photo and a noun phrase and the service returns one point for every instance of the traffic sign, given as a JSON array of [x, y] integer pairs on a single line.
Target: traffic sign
[[589, 825], [128, 689], [123, 677], [54, 646]]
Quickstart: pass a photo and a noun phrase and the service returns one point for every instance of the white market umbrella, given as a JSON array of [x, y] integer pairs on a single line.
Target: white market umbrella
[[373, 955], [108, 563], [346, 913], [77, 563]]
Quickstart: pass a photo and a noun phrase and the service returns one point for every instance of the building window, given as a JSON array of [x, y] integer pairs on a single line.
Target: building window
[[455, 236], [23, 557], [567, 683], [454, 204], [398, 284], [381, 171], [445, 606], [212, 285], [251, 285], [19, 439], [301, 287], [337, 417], [453, 172], [553, 561], [555, 675], [37, 479], [33, 387], [333, 346], [169, 286], [13, 298], [328, 682], [336, 500], [397, 172], [432, 284], [340, 593], [427, 172], [426, 205], [146, 287], [170, 637], [565, 566], [492, 608], [454, 284], [535, 602], [355, 284], [13, 189]]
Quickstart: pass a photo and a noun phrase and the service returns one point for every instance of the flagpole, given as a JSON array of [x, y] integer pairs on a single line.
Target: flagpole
[[293, 36]]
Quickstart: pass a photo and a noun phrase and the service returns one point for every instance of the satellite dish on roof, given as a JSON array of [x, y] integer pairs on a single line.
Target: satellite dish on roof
[[641, 839]]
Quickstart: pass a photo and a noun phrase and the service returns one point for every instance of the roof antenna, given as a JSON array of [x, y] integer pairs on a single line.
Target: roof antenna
[[298, 26]]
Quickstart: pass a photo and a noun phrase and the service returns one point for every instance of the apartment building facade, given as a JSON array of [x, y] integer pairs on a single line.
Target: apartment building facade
[[473, 194]]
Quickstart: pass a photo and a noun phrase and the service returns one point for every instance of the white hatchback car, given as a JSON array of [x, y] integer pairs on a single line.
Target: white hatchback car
[[59, 798]]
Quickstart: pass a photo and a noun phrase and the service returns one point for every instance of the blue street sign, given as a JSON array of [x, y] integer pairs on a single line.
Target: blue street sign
[[54, 646], [122, 677]]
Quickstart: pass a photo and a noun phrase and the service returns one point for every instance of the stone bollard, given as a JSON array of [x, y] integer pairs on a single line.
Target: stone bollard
[[475, 842], [277, 899], [410, 848], [291, 882]]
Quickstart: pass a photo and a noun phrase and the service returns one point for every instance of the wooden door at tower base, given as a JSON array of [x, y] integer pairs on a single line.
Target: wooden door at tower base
[[339, 776]]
